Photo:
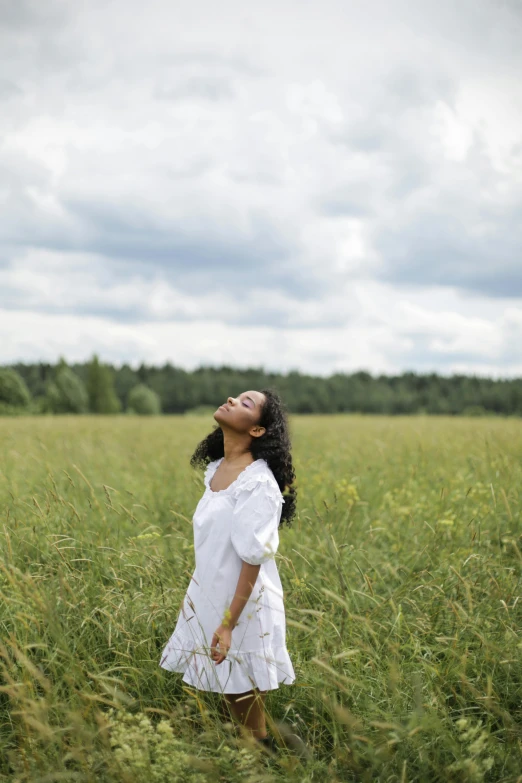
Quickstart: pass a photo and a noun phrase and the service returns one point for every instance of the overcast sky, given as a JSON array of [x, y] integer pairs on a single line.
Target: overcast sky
[[325, 186]]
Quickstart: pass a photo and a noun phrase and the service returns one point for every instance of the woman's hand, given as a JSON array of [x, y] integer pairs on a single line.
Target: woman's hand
[[220, 645]]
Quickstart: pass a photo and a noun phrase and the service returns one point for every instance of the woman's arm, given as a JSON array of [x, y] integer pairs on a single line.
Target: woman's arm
[[254, 536], [222, 637], [245, 585]]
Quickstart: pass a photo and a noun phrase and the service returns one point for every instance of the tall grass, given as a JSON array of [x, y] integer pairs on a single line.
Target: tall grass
[[402, 591]]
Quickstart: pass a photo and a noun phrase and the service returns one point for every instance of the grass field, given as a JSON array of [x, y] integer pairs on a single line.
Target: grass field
[[402, 591]]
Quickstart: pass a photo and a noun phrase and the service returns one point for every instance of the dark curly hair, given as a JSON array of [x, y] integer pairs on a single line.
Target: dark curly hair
[[273, 446]]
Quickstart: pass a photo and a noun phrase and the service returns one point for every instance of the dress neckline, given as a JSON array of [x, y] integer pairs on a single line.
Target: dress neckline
[[220, 491]]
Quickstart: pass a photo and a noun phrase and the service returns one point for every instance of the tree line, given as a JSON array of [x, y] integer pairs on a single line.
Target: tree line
[[95, 387], [86, 388]]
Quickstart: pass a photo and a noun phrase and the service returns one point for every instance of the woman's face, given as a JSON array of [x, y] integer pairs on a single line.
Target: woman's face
[[241, 413]]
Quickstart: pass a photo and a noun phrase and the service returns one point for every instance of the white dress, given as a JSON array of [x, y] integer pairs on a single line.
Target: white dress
[[232, 525]]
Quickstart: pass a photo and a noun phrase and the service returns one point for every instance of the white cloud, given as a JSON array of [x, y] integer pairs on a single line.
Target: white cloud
[[339, 182], [382, 331]]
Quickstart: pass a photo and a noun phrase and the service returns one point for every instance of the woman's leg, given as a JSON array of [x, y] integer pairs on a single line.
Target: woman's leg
[[249, 710]]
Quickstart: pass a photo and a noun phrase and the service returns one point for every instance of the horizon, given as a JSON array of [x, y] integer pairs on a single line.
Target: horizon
[[135, 366]]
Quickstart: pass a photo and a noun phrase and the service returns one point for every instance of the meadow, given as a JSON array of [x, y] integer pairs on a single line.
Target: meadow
[[402, 581]]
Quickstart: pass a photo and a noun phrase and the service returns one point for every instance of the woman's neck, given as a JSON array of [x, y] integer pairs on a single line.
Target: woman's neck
[[237, 448]]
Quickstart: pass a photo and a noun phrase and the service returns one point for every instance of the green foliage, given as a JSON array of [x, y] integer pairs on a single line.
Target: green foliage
[[144, 750], [144, 401], [14, 393], [148, 752], [474, 410], [125, 378], [66, 393], [11, 410], [207, 387], [401, 577], [201, 410], [476, 752], [100, 388]]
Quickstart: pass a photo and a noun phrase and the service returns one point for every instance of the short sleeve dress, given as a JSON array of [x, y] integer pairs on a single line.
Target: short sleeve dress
[[236, 524]]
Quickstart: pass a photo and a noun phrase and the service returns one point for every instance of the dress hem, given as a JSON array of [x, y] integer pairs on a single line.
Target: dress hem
[[240, 671], [232, 692]]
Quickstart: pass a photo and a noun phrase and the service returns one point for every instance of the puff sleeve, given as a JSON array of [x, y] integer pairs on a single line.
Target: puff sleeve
[[209, 472], [255, 522]]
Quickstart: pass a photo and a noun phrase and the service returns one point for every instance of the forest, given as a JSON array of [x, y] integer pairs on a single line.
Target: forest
[[95, 387]]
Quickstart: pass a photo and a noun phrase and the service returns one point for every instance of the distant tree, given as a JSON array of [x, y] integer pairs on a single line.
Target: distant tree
[[100, 388], [125, 378], [142, 373], [474, 410], [14, 393], [35, 376], [66, 392], [182, 390], [200, 410], [144, 401]]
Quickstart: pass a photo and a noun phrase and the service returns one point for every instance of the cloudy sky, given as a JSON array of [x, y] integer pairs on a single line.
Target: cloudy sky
[[326, 186]]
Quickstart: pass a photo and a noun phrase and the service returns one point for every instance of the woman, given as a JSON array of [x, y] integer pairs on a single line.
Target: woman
[[230, 636]]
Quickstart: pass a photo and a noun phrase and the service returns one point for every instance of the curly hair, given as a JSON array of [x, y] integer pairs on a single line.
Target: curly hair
[[273, 446]]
